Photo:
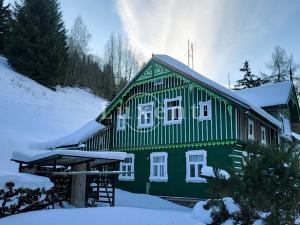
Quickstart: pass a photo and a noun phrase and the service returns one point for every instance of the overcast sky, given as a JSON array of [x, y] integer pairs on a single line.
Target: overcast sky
[[225, 33]]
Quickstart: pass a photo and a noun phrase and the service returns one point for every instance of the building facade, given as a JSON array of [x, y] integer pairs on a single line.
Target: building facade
[[176, 125]]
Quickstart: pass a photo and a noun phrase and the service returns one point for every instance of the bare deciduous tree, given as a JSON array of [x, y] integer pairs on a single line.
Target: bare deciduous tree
[[79, 37], [281, 66]]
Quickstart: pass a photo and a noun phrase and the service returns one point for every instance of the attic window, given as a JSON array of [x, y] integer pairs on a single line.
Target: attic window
[[263, 135], [205, 110], [250, 129], [158, 81], [145, 118], [172, 111], [121, 122]]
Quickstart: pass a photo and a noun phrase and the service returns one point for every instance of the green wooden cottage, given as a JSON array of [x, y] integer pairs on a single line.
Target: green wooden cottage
[[176, 124]]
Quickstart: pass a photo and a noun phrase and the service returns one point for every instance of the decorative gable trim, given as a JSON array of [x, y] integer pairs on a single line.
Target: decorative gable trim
[[176, 146]]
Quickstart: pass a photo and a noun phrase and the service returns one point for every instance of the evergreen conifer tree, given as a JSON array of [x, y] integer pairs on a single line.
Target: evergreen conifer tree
[[249, 80], [269, 184], [38, 46], [5, 17], [109, 85]]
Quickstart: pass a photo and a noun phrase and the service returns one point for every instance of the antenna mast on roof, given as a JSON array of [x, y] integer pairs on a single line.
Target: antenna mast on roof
[[190, 54], [229, 81]]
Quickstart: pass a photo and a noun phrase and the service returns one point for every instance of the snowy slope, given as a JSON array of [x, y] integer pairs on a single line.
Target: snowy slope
[[30, 112]]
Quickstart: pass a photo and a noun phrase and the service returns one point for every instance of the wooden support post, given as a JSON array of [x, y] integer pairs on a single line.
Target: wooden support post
[[20, 167], [54, 165], [78, 189]]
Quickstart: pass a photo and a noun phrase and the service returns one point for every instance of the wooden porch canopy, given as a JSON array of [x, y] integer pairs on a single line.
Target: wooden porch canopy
[[67, 157], [82, 183]]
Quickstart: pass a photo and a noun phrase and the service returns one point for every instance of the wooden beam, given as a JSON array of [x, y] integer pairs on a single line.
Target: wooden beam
[[74, 173]]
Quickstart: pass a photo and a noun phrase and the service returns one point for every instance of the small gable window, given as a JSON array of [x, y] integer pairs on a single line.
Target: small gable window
[[263, 135], [195, 161], [172, 111], [158, 81], [159, 167], [127, 166], [121, 122], [145, 118], [205, 110], [250, 129]]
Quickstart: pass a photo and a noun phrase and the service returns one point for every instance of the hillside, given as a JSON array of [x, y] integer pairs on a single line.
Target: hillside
[[30, 112]]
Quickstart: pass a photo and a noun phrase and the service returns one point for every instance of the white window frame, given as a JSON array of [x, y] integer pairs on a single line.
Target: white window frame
[[201, 110], [140, 125], [263, 133], [158, 81], [127, 177], [188, 177], [153, 178], [121, 117], [250, 136], [166, 101]]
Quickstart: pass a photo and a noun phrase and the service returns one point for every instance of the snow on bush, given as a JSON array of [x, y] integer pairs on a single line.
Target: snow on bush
[[208, 171], [24, 180], [202, 214], [20, 192], [213, 211]]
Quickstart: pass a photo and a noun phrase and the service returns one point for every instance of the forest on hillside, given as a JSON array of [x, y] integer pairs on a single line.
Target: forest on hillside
[[36, 43]]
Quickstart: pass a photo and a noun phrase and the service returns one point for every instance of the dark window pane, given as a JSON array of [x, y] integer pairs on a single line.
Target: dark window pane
[[192, 170], [155, 170], [176, 114], [169, 115], [199, 169], [161, 171]]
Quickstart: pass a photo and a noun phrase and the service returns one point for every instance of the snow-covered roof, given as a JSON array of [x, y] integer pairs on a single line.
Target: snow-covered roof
[[234, 96], [24, 180], [74, 138], [269, 94], [296, 136], [34, 155]]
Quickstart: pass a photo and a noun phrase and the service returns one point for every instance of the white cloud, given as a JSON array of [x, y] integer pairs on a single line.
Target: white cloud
[[224, 33]]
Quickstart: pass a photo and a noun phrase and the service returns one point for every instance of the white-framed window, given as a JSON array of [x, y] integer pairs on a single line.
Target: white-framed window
[[286, 127], [205, 110], [172, 111], [127, 166], [121, 122], [263, 136], [195, 161], [158, 81], [159, 167], [145, 117], [250, 129]]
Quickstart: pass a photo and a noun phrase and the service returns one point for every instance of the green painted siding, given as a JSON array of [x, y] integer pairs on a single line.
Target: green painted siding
[[221, 127], [217, 156]]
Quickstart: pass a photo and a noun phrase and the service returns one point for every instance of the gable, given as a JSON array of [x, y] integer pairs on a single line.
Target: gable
[[152, 71], [271, 94], [162, 65]]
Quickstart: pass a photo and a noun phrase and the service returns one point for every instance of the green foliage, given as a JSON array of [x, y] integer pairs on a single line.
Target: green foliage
[[5, 19], [269, 184], [37, 45], [13, 201], [249, 80], [219, 212]]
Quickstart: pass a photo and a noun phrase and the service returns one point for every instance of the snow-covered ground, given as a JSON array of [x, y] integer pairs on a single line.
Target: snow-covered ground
[[131, 209], [31, 113]]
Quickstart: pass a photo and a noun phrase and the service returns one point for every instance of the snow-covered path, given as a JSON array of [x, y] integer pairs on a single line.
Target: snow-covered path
[[102, 216], [131, 209]]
